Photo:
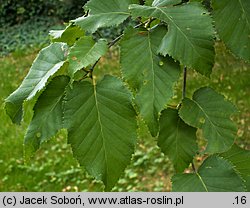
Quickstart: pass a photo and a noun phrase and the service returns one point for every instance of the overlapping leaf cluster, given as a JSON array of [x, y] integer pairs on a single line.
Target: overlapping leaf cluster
[[100, 117]]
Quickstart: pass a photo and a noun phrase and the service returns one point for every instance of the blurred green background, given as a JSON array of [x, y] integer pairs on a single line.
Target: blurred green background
[[24, 29]]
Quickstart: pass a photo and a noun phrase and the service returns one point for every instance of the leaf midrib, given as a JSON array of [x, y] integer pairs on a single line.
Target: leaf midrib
[[108, 13], [179, 30], [244, 12], [44, 79], [202, 182], [101, 128], [209, 120], [17, 109], [152, 65], [53, 106], [95, 45]]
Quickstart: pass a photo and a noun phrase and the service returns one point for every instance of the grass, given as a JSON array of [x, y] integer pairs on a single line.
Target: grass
[[53, 167]]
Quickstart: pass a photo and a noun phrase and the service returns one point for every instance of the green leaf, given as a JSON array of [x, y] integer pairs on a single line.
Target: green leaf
[[48, 114], [176, 139], [151, 76], [248, 183], [69, 35], [102, 127], [209, 111], [240, 158], [232, 21], [163, 3], [47, 63], [215, 175], [103, 14], [86, 52], [190, 35], [149, 2]]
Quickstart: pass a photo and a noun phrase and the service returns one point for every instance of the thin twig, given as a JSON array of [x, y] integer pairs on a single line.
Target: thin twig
[[86, 14], [140, 24], [148, 24], [172, 106], [99, 34], [193, 167], [93, 67], [85, 76], [112, 43], [184, 86]]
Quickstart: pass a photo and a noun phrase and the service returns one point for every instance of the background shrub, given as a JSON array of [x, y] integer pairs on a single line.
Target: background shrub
[[32, 33], [26, 23], [18, 11]]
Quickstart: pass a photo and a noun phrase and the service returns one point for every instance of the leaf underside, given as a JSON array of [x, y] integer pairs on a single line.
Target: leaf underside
[[48, 115], [210, 112], [102, 127], [151, 76], [103, 14], [176, 139], [189, 38], [47, 63], [215, 175], [232, 21]]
